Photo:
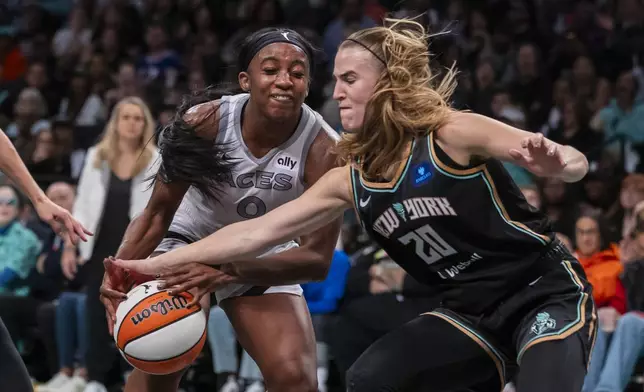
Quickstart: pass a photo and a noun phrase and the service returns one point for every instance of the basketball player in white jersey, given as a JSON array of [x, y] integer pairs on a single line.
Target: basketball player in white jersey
[[231, 159]]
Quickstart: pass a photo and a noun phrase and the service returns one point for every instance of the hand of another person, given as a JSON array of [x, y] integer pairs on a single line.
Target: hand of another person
[[608, 317], [113, 291], [61, 221], [197, 276], [377, 286], [69, 262]]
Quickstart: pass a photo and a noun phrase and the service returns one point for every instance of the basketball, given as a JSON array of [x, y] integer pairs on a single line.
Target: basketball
[[156, 332]]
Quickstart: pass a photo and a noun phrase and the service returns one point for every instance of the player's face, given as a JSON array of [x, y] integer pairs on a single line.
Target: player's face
[[587, 236], [8, 206], [278, 80], [356, 74]]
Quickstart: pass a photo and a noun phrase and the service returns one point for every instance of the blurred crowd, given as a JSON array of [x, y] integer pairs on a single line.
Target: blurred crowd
[[82, 81]]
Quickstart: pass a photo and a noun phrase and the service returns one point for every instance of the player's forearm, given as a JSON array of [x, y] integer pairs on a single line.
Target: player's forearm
[[576, 165], [141, 237], [293, 266], [15, 169], [243, 240]]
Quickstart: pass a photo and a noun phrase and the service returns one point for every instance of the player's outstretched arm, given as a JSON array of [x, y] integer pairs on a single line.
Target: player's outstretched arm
[[322, 203], [486, 137], [58, 217]]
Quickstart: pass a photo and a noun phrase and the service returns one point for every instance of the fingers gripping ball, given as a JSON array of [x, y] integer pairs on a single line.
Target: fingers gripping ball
[[156, 332]]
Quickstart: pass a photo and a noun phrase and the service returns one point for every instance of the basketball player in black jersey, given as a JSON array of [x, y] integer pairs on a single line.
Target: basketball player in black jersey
[[13, 374], [428, 186]]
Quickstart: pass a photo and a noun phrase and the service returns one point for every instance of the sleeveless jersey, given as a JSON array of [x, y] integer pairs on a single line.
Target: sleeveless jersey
[[257, 185], [467, 231]]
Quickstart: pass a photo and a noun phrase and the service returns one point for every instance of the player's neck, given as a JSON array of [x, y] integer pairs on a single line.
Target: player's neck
[[260, 131]]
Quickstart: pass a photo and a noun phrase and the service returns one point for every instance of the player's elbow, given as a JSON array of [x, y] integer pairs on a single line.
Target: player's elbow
[[318, 267]]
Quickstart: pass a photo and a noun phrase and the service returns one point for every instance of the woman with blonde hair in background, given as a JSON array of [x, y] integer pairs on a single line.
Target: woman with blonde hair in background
[[113, 177], [429, 187]]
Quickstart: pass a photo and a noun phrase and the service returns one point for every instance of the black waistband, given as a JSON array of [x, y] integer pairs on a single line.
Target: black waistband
[[180, 237]]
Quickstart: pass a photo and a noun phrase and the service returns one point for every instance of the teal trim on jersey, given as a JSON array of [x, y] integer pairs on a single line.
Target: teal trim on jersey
[[569, 325], [402, 175], [355, 191], [473, 332], [455, 176], [489, 187]]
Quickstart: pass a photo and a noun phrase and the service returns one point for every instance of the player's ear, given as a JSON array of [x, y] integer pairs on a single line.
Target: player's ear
[[244, 81]]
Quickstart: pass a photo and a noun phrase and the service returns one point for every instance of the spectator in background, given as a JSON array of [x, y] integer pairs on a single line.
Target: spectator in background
[[261, 13], [63, 131], [625, 349], [47, 162], [12, 62], [588, 89], [625, 117], [30, 111], [19, 249], [574, 129], [127, 85], [322, 299], [82, 106], [47, 282], [70, 40], [111, 46], [561, 94], [631, 194], [159, 63], [113, 179], [559, 206], [350, 19], [601, 262], [612, 368], [38, 77]]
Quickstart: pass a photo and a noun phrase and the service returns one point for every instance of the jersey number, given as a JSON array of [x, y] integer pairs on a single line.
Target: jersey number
[[426, 237], [251, 207]]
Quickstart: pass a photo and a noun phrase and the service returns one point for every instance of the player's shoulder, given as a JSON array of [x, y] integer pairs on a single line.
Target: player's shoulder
[[322, 157], [204, 117]]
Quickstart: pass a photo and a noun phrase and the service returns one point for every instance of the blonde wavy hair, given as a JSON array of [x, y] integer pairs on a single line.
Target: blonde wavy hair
[[408, 101], [107, 148]]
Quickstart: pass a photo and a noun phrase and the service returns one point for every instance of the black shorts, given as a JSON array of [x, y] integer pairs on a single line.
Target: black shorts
[[555, 307]]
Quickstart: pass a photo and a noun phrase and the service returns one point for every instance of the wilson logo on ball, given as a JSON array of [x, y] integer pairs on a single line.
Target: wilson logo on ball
[[163, 307]]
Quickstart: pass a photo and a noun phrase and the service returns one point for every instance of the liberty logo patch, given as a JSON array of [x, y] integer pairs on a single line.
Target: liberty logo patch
[[422, 174], [400, 210], [543, 323]]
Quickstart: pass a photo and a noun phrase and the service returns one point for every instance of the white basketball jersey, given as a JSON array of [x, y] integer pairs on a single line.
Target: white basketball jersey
[[257, 185]]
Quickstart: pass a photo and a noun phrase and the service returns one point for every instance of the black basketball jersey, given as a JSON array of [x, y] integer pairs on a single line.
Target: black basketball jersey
[[467, 230]]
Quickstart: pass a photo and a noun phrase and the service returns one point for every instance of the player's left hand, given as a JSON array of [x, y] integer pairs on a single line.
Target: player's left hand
[[540, 155], [197, 276], [61, 221]]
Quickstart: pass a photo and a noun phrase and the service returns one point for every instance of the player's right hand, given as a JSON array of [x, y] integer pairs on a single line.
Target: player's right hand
[[113, 291]]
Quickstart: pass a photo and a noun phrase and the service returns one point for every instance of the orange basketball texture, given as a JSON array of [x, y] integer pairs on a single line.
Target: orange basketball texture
[[148, 317]]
